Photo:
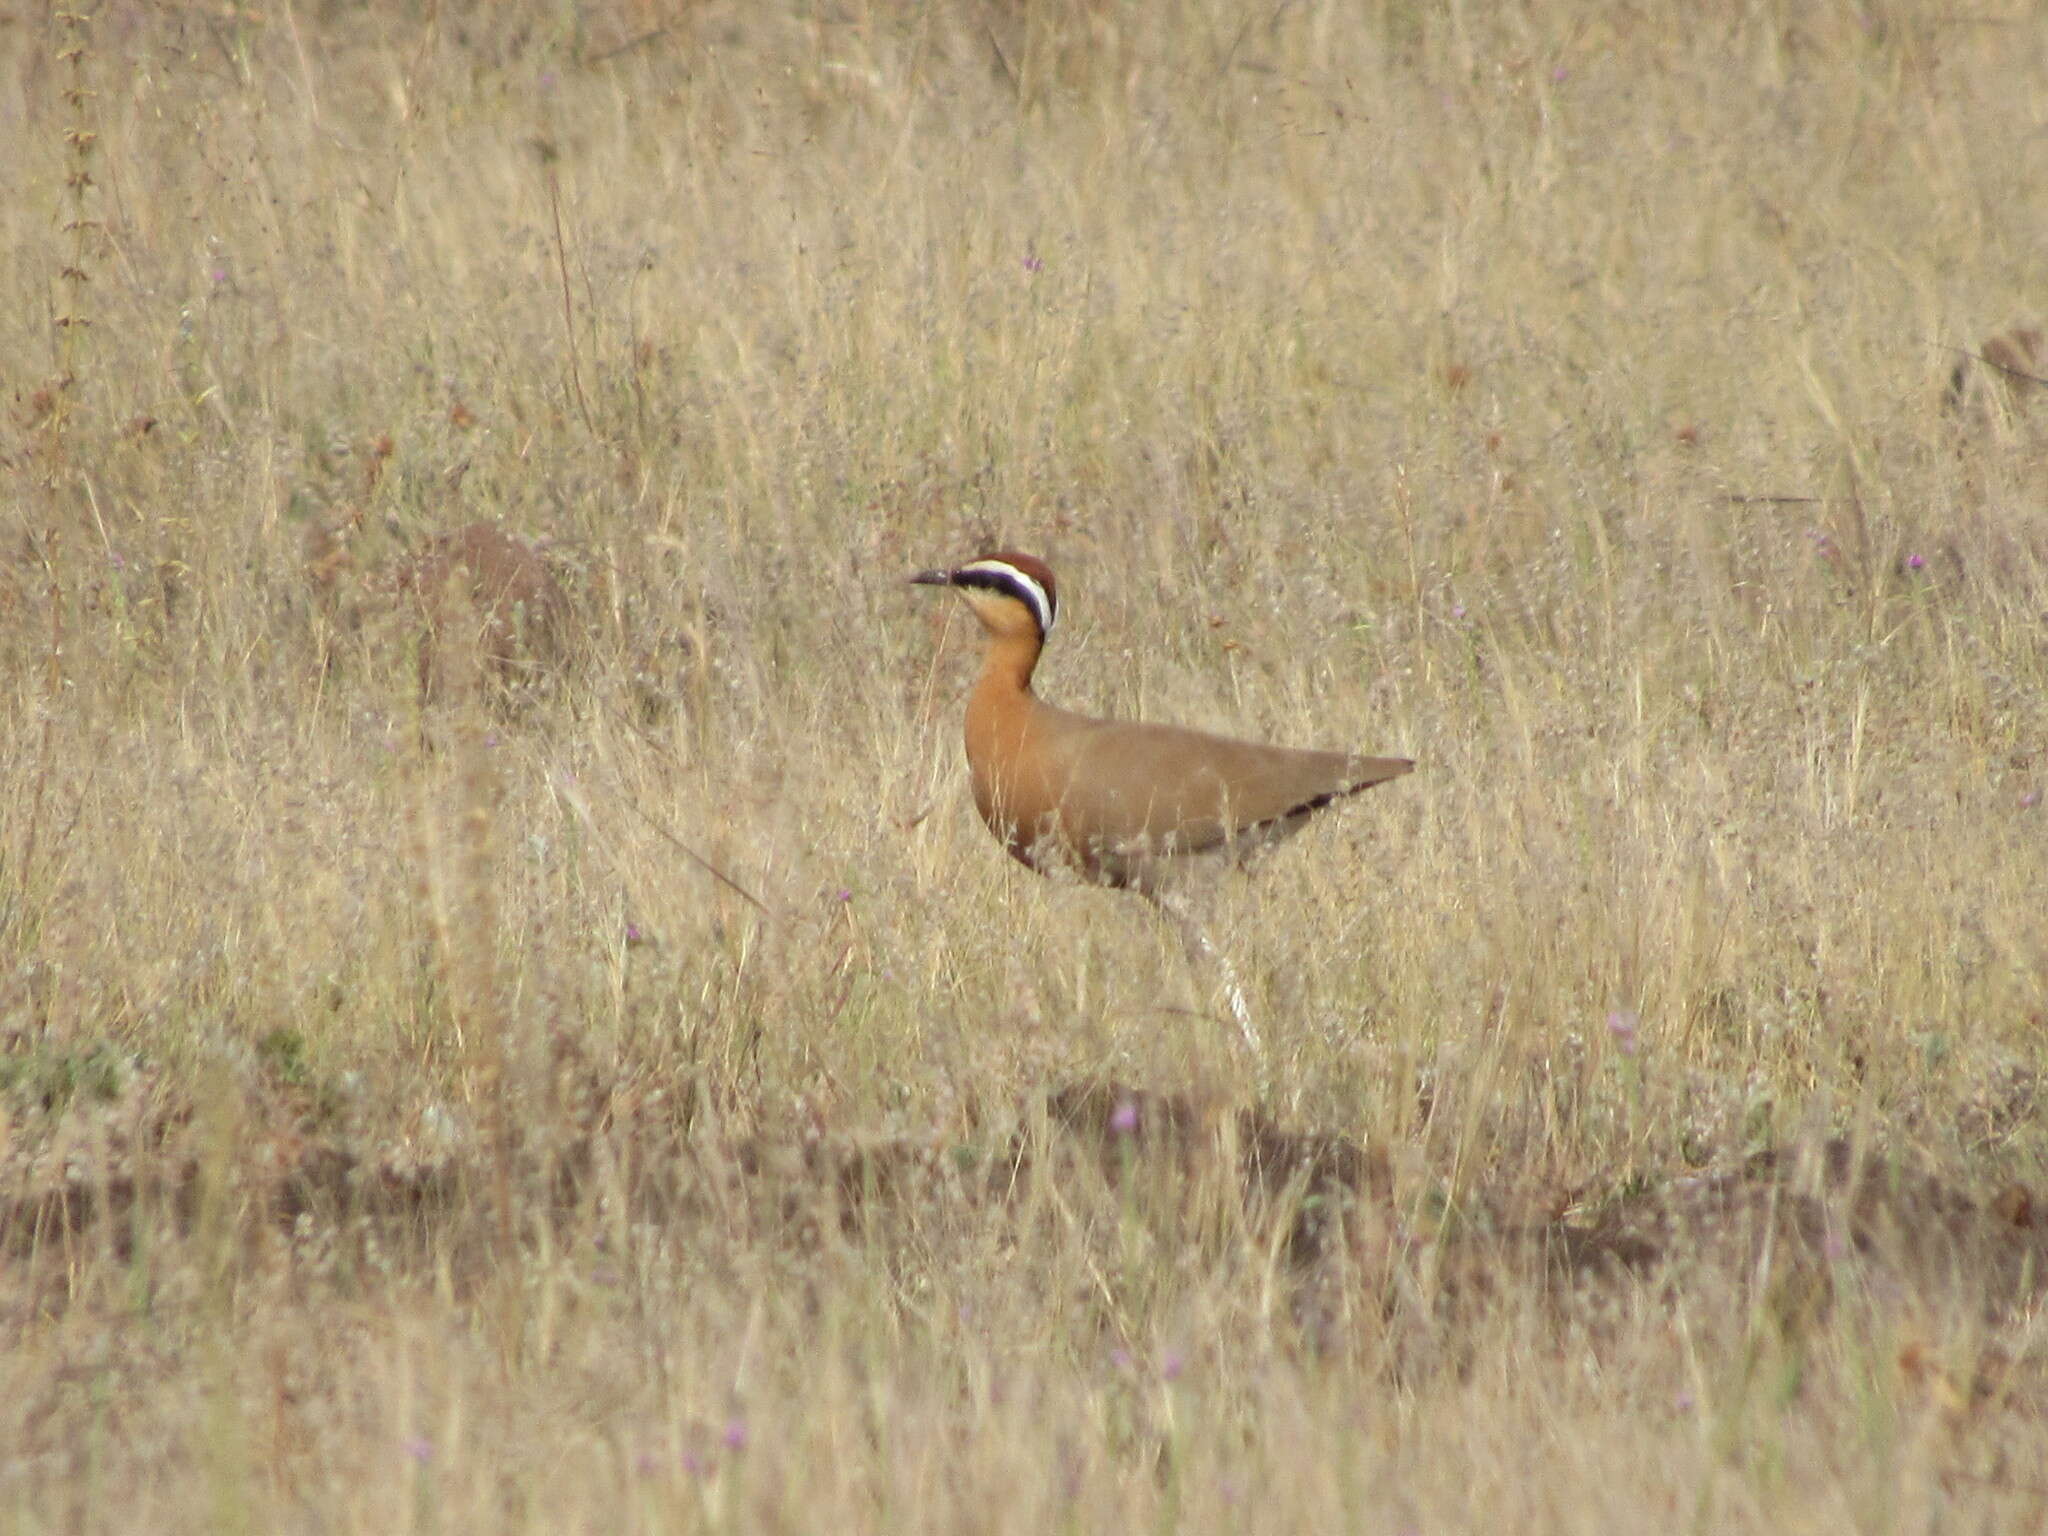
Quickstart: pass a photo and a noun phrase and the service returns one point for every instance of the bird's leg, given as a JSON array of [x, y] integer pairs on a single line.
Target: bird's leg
[[1239, 1009], [1198, 945]]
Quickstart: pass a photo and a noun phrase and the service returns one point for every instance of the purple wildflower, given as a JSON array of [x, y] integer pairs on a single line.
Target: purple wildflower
[[1123, 1120]]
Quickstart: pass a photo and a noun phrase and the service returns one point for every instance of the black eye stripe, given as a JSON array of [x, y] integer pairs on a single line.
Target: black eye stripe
[[995, 582]]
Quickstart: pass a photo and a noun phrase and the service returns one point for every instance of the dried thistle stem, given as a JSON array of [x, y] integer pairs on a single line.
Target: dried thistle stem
[[81, 143]]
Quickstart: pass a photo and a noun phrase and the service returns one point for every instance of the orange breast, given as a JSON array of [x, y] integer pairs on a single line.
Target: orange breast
[[1013, 790]]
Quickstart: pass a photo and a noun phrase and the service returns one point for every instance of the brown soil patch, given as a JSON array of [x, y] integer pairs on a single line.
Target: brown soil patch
[[1796, 1229]]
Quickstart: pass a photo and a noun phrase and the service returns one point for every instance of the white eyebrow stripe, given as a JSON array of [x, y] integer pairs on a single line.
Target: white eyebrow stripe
[[1028, 588]]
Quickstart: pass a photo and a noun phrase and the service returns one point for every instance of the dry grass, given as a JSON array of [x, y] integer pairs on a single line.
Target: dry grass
[[643, 1097]]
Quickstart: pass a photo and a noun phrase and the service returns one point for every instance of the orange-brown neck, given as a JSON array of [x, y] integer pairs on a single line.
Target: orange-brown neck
[[1002, 734], [1007, 664], [1002, 701]]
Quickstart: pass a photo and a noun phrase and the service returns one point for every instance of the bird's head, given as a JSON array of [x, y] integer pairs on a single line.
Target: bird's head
[[1011, 594]]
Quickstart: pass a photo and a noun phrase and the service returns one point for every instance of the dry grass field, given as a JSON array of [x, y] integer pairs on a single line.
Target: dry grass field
[[551, 1047]]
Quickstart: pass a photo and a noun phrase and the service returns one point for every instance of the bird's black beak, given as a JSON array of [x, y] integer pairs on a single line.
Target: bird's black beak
[[932, 579]]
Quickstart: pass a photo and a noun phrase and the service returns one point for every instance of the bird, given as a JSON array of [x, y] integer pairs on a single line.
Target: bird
[[1127, 804]]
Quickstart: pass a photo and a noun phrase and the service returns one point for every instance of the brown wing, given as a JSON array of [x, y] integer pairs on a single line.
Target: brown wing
[[1199, 790]]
